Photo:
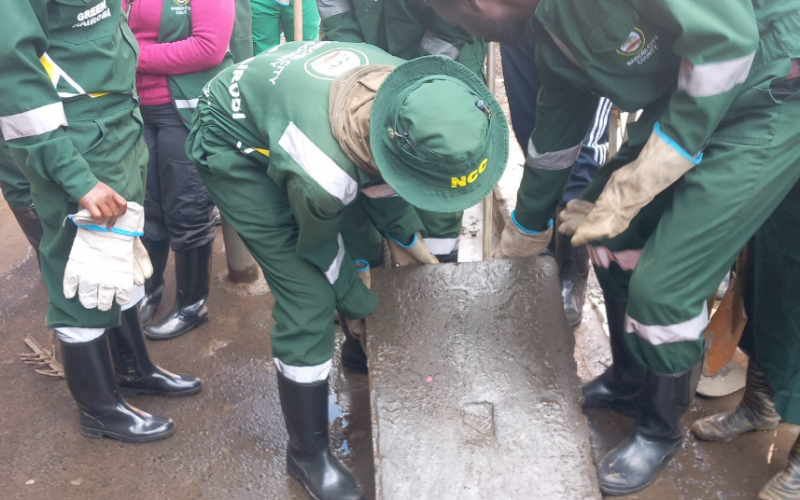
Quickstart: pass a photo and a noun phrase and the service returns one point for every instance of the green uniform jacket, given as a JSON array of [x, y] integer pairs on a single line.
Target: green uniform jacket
[[404, 28], [683, 62], [274, 109], [44, 49]]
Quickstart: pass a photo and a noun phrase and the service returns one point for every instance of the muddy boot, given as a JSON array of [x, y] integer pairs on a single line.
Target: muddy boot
[[620, 385], [573, 264], [449, 258], [154, 287], [786, 485], [657, 436], [136, 373], [353, 356], [31, 226], [91, 380], [308, 456], [755, 412], [193, 280]]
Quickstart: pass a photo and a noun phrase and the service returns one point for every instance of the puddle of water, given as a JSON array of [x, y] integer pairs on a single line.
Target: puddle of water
[[335, 413]]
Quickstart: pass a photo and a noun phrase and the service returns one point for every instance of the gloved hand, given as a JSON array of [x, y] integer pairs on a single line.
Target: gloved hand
[[633, 186], [101, 263], [573, 216], [415, 253], [142, 267], [516, 241]]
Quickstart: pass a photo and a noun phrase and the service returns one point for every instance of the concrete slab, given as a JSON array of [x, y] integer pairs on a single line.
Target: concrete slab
[[473, 385]]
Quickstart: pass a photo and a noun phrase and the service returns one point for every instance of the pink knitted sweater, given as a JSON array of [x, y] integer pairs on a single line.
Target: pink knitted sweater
[[212, 25]]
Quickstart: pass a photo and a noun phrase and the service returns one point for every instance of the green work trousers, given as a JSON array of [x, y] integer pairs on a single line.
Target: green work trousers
[[259, 210], [679, 247], [774, 312], [16, 188], [107, 131], [442, 232], [270, 19]]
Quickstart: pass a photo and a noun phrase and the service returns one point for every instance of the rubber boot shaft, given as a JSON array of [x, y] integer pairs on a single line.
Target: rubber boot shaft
[[193, 280], [657, 436], [154, 287], [756, 411], [573, 265], [136, 373], [308, 455], [28, 220], [785, 485], [620, 385], [103, 413]]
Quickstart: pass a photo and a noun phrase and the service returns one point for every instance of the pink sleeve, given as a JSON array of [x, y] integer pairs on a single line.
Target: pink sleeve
[[212, 26]]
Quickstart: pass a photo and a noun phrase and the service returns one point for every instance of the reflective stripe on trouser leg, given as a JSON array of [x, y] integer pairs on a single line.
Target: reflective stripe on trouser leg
[[79, 335], [303, 334], [304, 374], [442, 231]]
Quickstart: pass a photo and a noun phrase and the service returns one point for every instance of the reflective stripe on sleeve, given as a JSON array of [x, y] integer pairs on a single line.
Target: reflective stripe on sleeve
[[686, 331], [186, 104], [304, 374], [432, 44], [441, 246], [379, 191], [318, 165], [34, 122], [710, 79], [328, 8], [554, 160], [332, 274], [603, 257]]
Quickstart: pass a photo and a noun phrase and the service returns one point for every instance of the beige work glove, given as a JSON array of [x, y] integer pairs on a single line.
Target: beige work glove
[[416, 253], [102, 263], [573, 215], [142, 267], [358, 327], [515, 242], [631, 188]]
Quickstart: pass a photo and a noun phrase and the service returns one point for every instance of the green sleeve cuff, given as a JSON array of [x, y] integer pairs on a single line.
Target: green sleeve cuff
[[353, 298], [76, 178], [538, 197]]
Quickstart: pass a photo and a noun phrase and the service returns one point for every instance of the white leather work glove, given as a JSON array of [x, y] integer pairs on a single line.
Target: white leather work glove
[[142, 267], [516, 241], [415, 253], [633, 186], [101, 263], [573, 216]]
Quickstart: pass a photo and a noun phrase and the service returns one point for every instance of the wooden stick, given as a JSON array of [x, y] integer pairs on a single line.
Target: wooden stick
[[488, 202]]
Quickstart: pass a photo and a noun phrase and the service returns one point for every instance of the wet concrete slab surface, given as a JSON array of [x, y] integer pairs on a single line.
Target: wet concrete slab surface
[[230, 438], [474, 387]]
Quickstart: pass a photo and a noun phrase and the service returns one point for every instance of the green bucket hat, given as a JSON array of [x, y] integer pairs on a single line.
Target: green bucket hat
[[438, 136]]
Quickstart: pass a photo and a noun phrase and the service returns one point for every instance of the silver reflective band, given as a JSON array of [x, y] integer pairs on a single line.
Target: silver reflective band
[[686, 331], [332, 274], [75, 335], [37, 121], [706, 80], [379, 191], [442, 246], [438, 47], [318, 165], [554, 160], [328, 8], [564, 49], [184, 104], [304, 374]]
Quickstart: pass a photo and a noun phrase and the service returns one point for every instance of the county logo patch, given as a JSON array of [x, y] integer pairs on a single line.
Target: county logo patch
[[633, 44], [181, 3], [333, 63]]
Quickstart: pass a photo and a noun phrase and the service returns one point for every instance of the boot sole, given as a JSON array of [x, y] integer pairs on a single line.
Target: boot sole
[[618, 492], [128, 392], [176, 335], [98, 434], [714, 439], [292, 472]]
